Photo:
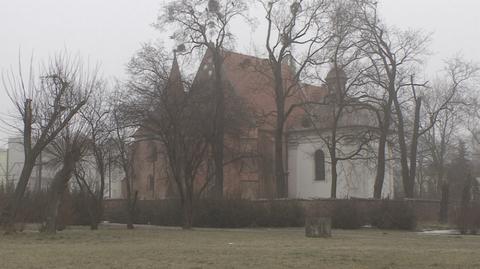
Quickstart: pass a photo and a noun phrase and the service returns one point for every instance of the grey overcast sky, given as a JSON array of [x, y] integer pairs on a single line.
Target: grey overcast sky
[[109, 31]]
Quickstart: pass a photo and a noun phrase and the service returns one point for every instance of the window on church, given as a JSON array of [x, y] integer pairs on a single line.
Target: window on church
[[319, 165]]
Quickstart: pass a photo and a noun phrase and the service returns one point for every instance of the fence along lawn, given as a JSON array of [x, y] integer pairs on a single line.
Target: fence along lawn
[[158, 247]]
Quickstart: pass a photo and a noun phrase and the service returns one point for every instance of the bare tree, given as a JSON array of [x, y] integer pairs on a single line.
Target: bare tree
[[299, 25], [67, 151], [123, 147], [473, 122], [45, 106], [180, 121], [170, 110], [473, 108], [453, 92], [393, 55], [205, 24], [342, 122], [345, 135], [96, 115]]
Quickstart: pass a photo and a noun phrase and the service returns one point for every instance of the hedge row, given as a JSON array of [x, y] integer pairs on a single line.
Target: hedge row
[[346, 214], [72, 211], [390, 215], [216, 214]]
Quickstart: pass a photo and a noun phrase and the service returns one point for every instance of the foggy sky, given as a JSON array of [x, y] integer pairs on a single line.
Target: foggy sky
[[110, 31]]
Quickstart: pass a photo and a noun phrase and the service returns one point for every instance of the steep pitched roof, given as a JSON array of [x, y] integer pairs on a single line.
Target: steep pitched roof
[[251, 79], [175, 91], [175, 84]]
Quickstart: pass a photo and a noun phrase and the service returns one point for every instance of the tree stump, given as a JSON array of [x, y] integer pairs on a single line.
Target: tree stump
[[318, 227]]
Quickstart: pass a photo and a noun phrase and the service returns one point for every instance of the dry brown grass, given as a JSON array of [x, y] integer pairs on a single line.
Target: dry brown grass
[[248, 248]]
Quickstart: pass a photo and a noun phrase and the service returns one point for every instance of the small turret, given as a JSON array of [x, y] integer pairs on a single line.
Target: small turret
[[336, 81], [175, 87]]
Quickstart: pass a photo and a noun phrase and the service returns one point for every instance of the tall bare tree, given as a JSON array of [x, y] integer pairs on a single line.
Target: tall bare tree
[[206, 24], [96, 115], [123, 137], [455, 85], [180, 121], [297, 34], [394, 56], [45, 105], [345, 98]]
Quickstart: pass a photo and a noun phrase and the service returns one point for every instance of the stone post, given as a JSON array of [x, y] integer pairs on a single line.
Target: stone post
[[318, 227]]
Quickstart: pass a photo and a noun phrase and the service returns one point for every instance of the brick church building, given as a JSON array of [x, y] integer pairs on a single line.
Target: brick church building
[[252, 176]]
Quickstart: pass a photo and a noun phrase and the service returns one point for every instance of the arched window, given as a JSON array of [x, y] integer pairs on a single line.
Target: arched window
[[319, 165]]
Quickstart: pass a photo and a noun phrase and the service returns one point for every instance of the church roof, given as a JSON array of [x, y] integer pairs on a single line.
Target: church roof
[[175, 84], [251, 79]]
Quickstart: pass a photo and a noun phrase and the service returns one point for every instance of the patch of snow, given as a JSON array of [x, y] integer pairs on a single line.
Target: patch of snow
[[440, 232]]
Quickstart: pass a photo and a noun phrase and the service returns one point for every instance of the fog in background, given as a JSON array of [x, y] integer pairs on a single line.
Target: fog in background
[[108, 32]]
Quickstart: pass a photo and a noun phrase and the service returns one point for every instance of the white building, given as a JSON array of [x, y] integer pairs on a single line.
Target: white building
[[3, 167], [42, 174], [44, 171], [309, 160]]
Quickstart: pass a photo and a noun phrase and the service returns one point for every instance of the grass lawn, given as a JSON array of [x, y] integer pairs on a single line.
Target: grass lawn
[[158, 247]]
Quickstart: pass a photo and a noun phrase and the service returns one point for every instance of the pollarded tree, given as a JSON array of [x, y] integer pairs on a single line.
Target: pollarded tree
[[67, 150], [45, 105]]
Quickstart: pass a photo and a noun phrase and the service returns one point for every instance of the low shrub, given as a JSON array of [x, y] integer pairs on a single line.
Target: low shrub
[[71, 211], [395, 215], [118, 215], [228, 213], [468, 220], [285, 213], [347, 215]]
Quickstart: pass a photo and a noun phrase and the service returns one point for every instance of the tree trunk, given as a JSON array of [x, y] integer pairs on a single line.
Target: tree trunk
[[98, 201], [59, 185], [11, 210], [414, 148], [333, 193], [464, 222], [52, 209], [407, 186], [281, 183], [444, 203], [187, 213], [279, 169], [380, 175], [95, 212], [91, 215], [131, 210], [98, 215], [219, 125]]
